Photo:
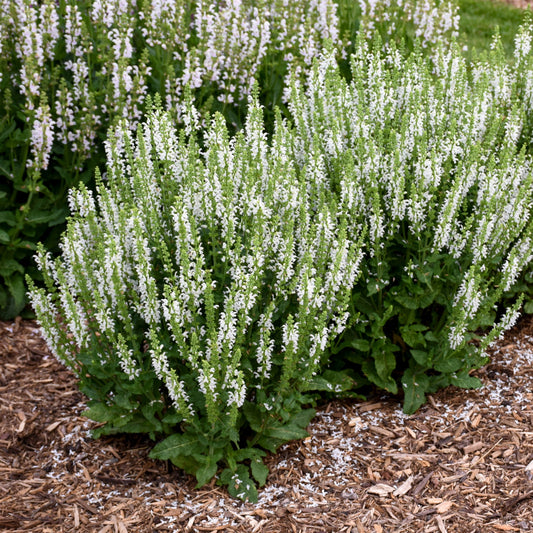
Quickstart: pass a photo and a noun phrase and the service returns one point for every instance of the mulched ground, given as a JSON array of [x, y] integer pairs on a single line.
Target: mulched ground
[[463, 463]]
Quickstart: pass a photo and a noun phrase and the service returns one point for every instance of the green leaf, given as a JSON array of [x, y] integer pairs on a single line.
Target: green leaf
[[8, 131], [171, 419], [385, 361], [175, 446], [528, 307], [286, 432], [407, 301], [100, 412], [415, 386], [465, 381], [8, 266], [248, 453], [303, 417], [128, 425], [206, 472], [420, 356], [360, 344], [16, 299], [5, 170], [240, 485], [253, 415], [4, 236], [8, 217], [54, 217], [448, 363], [431, 337], [259, 471], [374, 286], [369, 369]]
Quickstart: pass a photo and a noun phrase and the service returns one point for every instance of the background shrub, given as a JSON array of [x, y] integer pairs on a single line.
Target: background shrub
[[70, 69]]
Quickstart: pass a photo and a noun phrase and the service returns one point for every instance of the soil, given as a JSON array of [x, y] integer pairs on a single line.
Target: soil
[[462, 463]]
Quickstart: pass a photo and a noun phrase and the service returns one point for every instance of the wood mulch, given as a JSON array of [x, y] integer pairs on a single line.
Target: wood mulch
[[462, 463]]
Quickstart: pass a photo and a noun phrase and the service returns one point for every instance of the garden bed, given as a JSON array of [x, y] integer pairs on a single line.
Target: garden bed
[[463, 462]]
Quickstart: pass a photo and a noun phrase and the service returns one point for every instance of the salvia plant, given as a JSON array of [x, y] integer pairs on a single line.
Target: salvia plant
[[434, 161], [208, 292], [197, 292]]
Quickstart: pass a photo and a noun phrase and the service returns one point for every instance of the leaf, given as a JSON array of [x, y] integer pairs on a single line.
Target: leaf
[[243, 487], [8, 266], [286, 432], [101, 412], [449, 363], [415, 386], [407, 301], [303, 417], [528, 307], [331, 381], [8, 131], [361, 345], [253, 415], [187, 463], [248, 453], [369, 369], [385, 361], [8, 217], [259, 471], [465, 381], [206, 472], [40, 216], [412, 334], [420, 356], [4, 236], [16, 298], [276, 433], [175, 446]]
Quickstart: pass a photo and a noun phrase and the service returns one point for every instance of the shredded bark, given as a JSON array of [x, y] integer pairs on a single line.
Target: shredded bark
[[463, 462]]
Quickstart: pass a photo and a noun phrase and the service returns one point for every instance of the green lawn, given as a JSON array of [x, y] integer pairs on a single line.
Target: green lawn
[[481, 18]]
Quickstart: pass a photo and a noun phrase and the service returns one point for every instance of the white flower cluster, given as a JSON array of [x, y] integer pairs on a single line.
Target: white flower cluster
[[105, 73], [228, 259], [434, 23]]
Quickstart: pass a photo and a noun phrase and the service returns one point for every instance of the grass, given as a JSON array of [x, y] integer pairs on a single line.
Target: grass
[[480, 19]]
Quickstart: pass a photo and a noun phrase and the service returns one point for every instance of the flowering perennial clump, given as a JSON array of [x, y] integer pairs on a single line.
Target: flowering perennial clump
[[434, 161], [217, 279], [214, 282]]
